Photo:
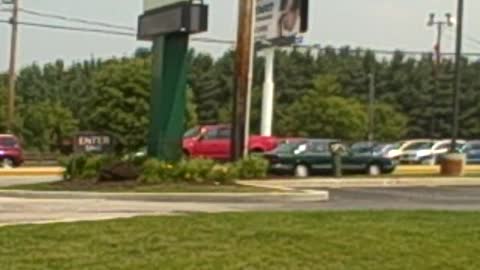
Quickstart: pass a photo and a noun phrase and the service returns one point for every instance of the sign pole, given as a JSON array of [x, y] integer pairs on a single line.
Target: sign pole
[[242, 69], [168, 100], [168, 23], [268, 93]]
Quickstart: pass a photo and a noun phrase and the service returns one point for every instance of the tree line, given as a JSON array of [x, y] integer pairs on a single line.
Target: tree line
[[321, 94]]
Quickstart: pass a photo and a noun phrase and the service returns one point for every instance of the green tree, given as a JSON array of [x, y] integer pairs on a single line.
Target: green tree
[[390, 125], [120, 103], [319, 114], [46, 124]]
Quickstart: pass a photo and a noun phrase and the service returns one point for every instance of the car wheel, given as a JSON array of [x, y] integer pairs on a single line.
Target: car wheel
[[374, 170], [302, 171], [7, 163]]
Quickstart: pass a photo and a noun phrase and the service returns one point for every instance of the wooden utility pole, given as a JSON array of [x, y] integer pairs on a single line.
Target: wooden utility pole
[[12, 69], [458, 77], [241, 77]]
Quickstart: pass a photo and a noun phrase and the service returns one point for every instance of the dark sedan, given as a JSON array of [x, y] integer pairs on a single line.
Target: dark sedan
[[312, 157]]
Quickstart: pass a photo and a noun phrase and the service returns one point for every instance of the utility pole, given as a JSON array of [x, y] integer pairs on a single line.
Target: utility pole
[[12, 69], [242, 70], [371, 108], [438, 59], [458, 76], [250, 86]]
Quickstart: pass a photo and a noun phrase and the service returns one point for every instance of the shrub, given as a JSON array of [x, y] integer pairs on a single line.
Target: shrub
[[155, 171], [222, 174], [195, 170], [253, 167], [84, 166]]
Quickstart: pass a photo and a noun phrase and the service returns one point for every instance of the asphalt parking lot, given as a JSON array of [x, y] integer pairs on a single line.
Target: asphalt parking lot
[[404, 198]]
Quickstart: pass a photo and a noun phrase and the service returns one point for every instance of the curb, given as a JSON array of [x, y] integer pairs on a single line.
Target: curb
[[361, 183], [318, 196], [18, 172]]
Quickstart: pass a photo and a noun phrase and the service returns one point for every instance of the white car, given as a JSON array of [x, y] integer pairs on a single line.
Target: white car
[[398, 149], [427, 153]]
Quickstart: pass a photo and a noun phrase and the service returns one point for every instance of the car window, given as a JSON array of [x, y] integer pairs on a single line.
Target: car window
[[211, 134], [224, 133], [287, 147], [8, 142], [192, 133], [319, 148], [476, 147], [443, 146], [419, 146]]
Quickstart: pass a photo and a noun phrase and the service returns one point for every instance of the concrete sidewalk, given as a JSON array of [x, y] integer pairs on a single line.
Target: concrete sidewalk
[[315, 183], [273, 197]]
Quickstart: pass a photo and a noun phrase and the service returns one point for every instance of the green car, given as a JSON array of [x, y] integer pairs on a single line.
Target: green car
[[314, 157]]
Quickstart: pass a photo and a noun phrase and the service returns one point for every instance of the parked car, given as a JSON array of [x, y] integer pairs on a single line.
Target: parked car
[[213, 142], [472, 150], [310, 157], [398, 148], [382, 149], [11, 153], [428, 153], [363, 147]]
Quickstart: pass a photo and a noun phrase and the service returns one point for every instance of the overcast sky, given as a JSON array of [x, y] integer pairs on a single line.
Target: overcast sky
[[380, 24]]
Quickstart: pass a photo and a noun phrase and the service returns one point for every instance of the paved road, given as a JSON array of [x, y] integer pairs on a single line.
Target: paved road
[[429, 198], [24, 210]]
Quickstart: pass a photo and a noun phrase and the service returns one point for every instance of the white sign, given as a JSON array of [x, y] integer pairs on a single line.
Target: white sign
[[153, 4], [279, 19]]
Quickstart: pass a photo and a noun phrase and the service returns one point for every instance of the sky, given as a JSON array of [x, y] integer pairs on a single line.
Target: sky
[[377, 24]]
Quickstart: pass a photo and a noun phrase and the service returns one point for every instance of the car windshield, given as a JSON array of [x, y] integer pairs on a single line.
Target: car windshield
[[420, 146], [192, 133], [7, 142]]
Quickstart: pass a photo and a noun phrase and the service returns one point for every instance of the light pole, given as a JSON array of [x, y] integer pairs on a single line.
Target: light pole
[[432, 22], [371, 108]]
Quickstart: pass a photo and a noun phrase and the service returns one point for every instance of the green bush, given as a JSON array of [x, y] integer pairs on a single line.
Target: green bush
[[155, 171], [222, 174], [84, 166], [195, 170], [253, 167]]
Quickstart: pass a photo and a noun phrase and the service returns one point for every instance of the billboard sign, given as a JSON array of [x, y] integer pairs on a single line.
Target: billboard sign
[[172, 17], [154, 4], [281, 21]]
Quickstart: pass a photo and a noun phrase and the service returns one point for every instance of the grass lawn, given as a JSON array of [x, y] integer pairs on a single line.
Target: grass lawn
[[133, 186], [328, 240]]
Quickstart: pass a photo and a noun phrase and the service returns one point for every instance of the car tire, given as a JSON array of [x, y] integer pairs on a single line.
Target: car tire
[[302, 171], [374, 170], [7, 163]]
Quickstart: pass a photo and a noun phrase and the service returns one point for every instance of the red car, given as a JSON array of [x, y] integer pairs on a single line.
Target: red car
[[214, 142], [11, 154]]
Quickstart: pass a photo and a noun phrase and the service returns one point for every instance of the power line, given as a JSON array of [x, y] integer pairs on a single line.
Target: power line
[[109, 32], [221, 41], [76, 20]]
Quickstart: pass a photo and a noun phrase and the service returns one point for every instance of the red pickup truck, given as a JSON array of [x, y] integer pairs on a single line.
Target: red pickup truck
[[214, 142]]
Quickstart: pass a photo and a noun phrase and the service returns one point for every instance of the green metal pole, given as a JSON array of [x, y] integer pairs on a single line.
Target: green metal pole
[[168, 98]]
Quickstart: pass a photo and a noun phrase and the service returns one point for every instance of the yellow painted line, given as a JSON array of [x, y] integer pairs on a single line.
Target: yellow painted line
[[32, 171], [427, 170]]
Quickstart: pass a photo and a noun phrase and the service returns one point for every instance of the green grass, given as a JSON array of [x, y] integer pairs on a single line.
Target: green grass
[[132, 186], [329, 240]]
